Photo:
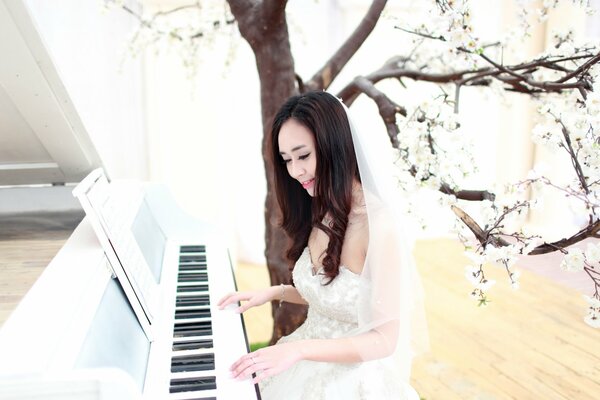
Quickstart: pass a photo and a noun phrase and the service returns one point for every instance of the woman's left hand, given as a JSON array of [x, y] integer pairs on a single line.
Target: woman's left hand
[[267, 361]]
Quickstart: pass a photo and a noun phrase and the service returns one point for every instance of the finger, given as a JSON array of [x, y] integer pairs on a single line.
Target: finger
[[252, 357], [264, 374], [233, 298], [224, 299], [243, 360], [256, 368], [236, 364], [245, 306], [242, 369]]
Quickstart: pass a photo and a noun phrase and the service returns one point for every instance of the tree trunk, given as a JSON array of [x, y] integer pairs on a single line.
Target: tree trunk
[[266, 32]]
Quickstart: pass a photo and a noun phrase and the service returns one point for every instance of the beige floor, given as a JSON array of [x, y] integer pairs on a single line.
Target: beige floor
[[528, 344]]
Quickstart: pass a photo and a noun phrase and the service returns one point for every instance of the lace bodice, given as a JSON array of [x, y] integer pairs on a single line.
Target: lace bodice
[[332, 313], [332, 310]]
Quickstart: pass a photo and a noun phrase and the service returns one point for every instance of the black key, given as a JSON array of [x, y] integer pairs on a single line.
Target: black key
[[196, 362], [192, 249], [192, 277], [193, 384], [201, 328], [197, 313], [193, 344], [192, 301], [193, 267], [192, 258], [192, 288]]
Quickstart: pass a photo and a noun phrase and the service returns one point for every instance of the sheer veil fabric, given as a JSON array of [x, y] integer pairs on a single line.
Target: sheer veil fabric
[[383, 306], [390, 305]]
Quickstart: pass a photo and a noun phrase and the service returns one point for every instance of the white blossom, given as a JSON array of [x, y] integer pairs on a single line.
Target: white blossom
[[573, 261], [594, 302], [486, 284], [592, 253], [473, 274], [593, 319], [531, 244], [502, 254]]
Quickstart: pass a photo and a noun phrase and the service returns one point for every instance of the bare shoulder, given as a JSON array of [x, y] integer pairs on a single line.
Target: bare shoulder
[[354, 250]]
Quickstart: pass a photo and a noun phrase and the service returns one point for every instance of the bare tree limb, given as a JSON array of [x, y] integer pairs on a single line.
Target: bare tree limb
[[468, 195], [387, 108], [484, 237], [589, 231], [323, 78]]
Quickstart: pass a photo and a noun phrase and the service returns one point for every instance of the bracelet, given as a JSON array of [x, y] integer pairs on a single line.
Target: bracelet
[[282, 293]]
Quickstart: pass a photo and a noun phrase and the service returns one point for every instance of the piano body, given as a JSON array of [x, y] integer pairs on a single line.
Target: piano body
[[126, 309], [77, 326]]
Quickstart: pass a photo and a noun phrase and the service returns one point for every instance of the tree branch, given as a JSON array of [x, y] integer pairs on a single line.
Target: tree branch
[[546, 86], [468, 195], [573, 156], [582, 69], [387, 108], [589, 231], [245, 12], [482, 236], [323, 78]]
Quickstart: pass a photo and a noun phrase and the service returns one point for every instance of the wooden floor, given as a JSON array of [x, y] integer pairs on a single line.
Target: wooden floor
[[27, 244], [528, 344]]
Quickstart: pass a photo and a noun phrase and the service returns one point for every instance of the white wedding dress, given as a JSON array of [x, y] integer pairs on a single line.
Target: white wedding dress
[[332, 312]]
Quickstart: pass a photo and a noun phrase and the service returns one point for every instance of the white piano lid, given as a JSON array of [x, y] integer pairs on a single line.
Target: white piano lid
[[42, 138]]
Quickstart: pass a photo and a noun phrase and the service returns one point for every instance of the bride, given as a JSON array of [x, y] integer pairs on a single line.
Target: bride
[[353, 265]]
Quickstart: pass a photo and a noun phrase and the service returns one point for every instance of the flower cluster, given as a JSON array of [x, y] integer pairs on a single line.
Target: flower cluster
[[593, 317], [577, 260], [433, 148], [192, 31], [497, 251]]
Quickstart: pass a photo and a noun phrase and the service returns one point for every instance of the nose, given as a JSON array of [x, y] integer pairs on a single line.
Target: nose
[[296, 170]]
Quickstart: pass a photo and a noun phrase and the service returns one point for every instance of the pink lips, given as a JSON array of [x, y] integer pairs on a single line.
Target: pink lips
[[308, 184]]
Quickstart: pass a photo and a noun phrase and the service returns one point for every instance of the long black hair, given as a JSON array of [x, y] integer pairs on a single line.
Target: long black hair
[[336, 169]]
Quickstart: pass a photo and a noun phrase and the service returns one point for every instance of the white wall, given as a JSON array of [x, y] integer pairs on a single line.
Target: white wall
[[87, 47]]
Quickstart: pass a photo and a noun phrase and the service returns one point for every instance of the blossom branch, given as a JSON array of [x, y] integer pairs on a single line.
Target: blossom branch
[[483, 236], [589, 231], [582, 85], [574, 161], [468, 195]]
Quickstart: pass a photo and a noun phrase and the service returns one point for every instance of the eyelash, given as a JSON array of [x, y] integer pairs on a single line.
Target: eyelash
[[304, 157]]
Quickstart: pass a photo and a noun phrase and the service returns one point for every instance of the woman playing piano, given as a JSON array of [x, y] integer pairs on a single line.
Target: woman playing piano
[[352, 263]]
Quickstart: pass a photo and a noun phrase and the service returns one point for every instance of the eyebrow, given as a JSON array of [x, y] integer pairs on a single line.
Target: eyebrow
[[294, 149]]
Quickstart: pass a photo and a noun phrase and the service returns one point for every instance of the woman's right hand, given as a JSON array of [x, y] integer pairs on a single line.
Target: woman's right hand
[[252, 298]]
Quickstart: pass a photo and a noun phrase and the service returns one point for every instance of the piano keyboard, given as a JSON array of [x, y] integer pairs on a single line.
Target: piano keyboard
[[193, 327], [201, 334]]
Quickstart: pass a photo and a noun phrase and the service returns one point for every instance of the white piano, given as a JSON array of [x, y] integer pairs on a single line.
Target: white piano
[[80, 333], [126, 309]]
